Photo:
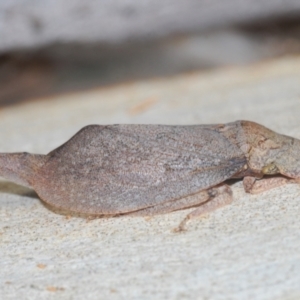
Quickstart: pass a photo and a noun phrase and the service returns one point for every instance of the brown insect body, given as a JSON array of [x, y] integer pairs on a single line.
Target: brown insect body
[[151, 169]]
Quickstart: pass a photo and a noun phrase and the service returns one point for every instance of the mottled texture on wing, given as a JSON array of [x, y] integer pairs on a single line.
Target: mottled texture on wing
[[122, 168]]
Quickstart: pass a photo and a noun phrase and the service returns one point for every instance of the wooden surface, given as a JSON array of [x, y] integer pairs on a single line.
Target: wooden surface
[[248, 250]]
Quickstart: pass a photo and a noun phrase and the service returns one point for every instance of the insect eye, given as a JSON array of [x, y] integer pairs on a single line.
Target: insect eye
[[270, 169]]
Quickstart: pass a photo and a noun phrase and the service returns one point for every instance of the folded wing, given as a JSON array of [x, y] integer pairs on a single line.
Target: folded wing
[[123, 168]]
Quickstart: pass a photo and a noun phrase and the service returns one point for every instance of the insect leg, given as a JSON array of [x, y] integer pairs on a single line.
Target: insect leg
[[207, 200], [172, 205], [253, 185], [219, 196]]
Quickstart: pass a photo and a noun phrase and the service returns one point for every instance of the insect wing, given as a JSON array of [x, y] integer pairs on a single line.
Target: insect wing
[[123, 168]]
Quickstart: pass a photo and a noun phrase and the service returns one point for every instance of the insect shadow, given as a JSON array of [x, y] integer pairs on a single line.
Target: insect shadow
[[7, 187]]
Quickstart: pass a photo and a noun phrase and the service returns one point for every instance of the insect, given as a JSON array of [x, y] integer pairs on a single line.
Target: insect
[[145, 170]]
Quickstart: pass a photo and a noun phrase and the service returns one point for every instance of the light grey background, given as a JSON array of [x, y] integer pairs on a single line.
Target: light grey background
[[33, 23]]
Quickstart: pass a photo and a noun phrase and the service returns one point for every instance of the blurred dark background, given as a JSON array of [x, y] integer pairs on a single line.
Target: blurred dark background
[[49, 47]]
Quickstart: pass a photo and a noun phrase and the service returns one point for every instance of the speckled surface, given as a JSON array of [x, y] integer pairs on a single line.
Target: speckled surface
[[248, 250]]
